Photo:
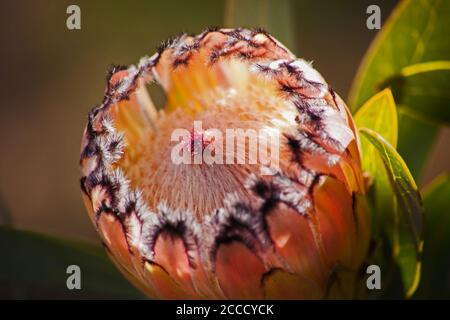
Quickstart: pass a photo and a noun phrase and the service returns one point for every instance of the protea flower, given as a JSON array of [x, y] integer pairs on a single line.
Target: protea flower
[[299, 229]]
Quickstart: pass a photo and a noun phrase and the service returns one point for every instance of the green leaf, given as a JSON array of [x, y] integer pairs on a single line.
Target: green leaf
[[416, 141], [275, 16], [424, 90], [379, 114], [408, 240], [435, 282], [416, 32], [34, 260]]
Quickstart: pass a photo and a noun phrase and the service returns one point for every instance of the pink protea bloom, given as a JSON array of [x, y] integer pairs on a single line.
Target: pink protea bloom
[[242, 230]]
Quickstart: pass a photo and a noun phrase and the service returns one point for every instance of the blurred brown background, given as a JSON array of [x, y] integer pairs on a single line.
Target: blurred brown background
[[51, 77]]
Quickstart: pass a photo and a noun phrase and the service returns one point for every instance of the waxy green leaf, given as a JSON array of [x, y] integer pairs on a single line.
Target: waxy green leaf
[[416, 33], [408, 238], [379, 114], [436, 260], [423, 90]]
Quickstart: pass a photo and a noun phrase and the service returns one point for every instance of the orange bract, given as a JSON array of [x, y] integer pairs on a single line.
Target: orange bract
[[226, 230]]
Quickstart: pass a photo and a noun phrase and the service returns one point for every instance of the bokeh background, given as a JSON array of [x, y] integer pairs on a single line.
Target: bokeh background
[[51, 77]]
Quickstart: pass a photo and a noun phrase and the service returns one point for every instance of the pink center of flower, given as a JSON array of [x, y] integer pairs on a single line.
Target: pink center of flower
[[200, 139]]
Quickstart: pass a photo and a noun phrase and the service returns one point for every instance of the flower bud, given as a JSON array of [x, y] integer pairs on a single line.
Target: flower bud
[[282, 220]]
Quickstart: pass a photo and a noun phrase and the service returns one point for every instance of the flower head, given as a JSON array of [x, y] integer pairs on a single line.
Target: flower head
[[292, 224]]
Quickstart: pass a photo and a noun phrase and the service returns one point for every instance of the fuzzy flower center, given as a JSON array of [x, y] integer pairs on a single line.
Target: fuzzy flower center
[[229, 120]]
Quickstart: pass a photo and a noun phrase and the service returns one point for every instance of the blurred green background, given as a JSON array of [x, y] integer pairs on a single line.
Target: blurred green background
[[51, 77]]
